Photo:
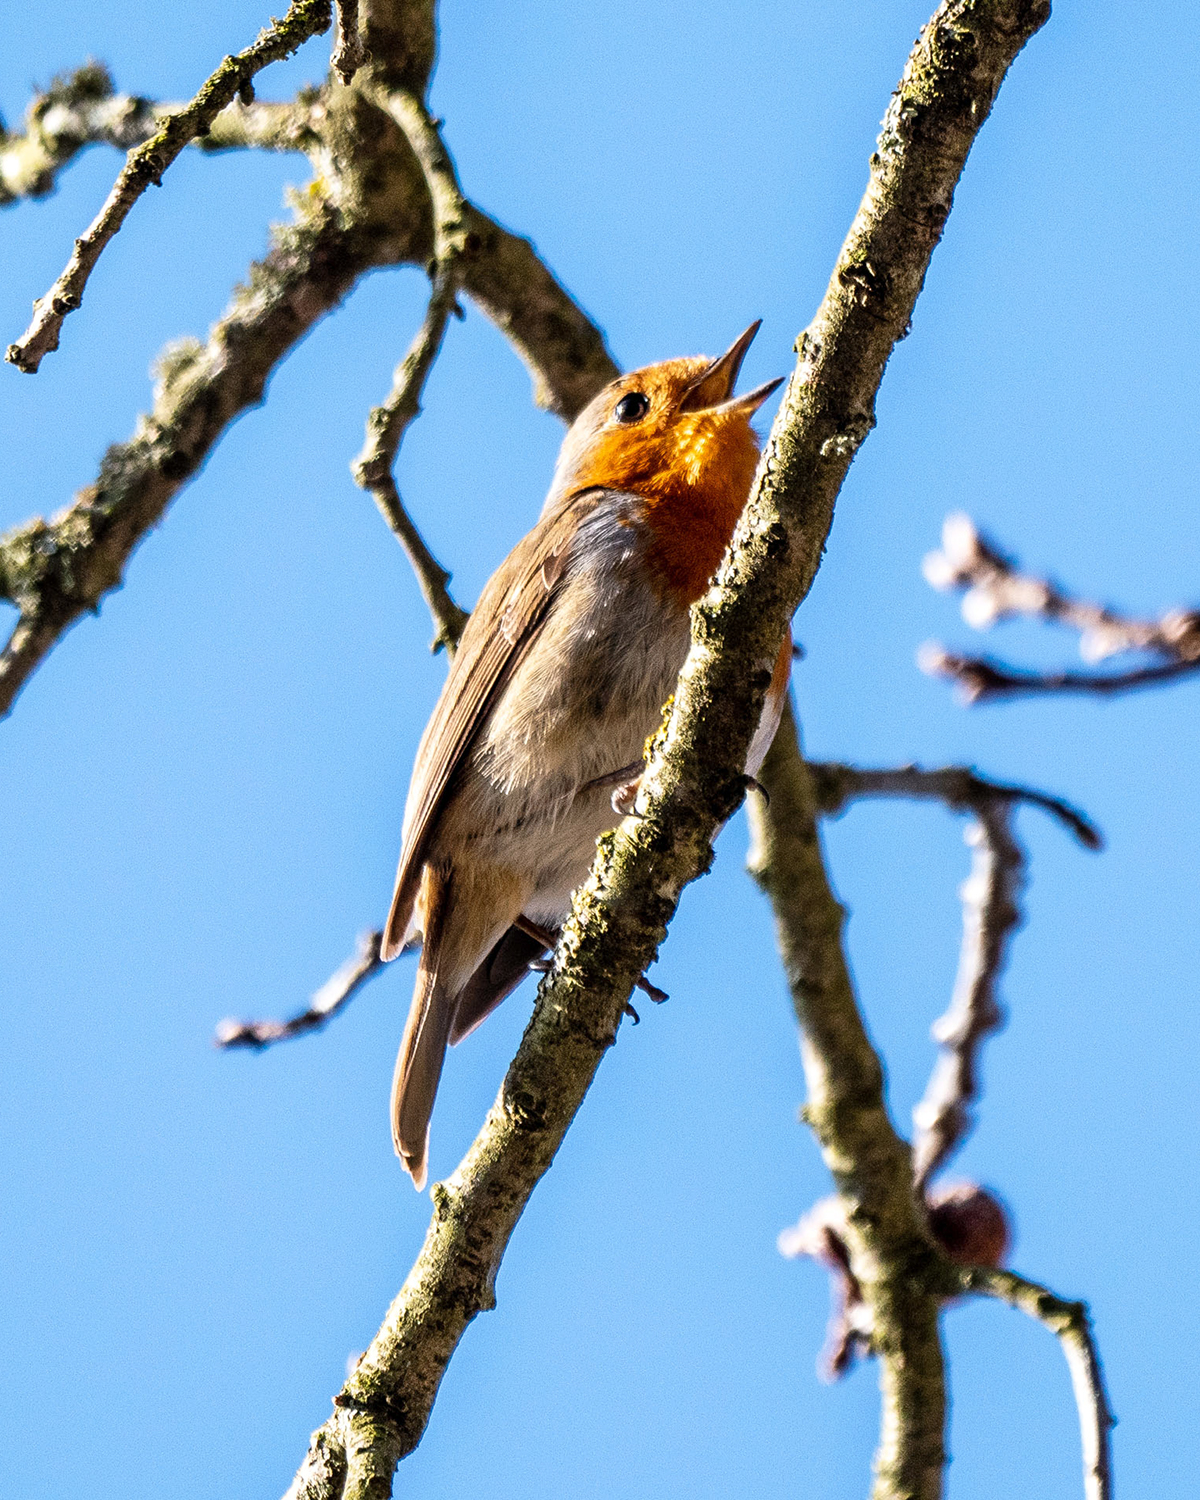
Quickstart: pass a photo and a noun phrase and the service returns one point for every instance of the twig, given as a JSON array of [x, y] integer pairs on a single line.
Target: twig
[[995, 589], [982, 679], [1070, 1324], [957, 786], [387, 424], [349, 53], [337, 991], [82, 109], [372, 469], [147, 163], [991, 915]]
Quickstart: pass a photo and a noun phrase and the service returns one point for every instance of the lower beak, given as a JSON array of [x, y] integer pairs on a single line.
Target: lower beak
[[751, 401]]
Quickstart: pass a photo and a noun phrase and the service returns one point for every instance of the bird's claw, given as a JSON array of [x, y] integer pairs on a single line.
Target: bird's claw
[[652, 990]]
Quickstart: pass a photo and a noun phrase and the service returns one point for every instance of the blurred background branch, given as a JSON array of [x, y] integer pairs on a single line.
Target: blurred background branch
[[994, 589]]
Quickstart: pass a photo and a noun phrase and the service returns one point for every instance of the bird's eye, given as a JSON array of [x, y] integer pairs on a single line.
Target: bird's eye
[[631, 408]]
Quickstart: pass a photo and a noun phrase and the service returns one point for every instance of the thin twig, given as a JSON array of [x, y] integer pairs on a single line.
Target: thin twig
[[982, 679], [349, 53], [994, 588], [337, 991], [991, 915], [387, 424], [957, 786], [147, 163], [372, 469], [82, 109], [1070, 1323]]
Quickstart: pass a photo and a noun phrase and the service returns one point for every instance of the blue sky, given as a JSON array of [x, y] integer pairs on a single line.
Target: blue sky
[[204, 786]]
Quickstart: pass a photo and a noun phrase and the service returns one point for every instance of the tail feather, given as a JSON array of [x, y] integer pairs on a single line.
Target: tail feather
[[426, 1035]]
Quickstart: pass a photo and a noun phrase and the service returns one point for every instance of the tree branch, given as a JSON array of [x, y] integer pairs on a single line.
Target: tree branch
[[693, 781], [995, 589], [349, 54], [959, 787], [1070, 1324], [892, 1261], [337, 992], [147, 163], [374, 468], [991, 914], [82, 109]]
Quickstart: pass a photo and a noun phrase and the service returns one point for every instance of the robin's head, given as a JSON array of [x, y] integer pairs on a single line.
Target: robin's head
[[675, 435]]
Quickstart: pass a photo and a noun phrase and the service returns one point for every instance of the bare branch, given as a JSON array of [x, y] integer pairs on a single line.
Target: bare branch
[[372, 469], [81, 109], [991, 916], [563, 349], [981, 679], [995, 589], [387, 424], [147, 163], [1071, 1325], [337, 992], [958, 787], [349, 54], [55, 571]]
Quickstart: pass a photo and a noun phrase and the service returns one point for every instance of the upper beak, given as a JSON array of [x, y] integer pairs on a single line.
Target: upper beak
[[713, 387]]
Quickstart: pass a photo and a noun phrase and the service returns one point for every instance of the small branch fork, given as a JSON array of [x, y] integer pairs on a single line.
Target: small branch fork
[[995, 589], [147, 163]]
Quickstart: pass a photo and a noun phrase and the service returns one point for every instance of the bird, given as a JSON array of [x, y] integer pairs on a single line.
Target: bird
[[537, 742]]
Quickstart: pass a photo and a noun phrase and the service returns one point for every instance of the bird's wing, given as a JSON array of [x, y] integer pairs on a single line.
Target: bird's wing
[[515, 602]]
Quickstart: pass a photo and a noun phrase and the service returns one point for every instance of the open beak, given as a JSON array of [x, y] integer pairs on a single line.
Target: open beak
[[712, 389]]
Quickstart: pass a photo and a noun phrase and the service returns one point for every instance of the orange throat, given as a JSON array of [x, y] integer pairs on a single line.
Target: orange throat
[[694, 480]]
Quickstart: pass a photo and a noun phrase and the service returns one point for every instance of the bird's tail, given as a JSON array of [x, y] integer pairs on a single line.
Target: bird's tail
[[423, 1048]]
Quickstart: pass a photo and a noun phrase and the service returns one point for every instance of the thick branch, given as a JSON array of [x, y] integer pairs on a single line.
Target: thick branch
[[892, 1260], [146, 165], [1070, 1324], [337, 991], [692, 783]]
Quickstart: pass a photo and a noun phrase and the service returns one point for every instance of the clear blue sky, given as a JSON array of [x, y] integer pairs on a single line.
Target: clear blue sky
[[203, 787]]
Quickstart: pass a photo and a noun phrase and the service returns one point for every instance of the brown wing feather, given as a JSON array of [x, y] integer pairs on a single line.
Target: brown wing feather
[[502, 627]]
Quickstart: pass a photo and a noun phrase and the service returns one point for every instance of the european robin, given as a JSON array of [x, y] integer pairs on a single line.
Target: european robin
[[537, 741]]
